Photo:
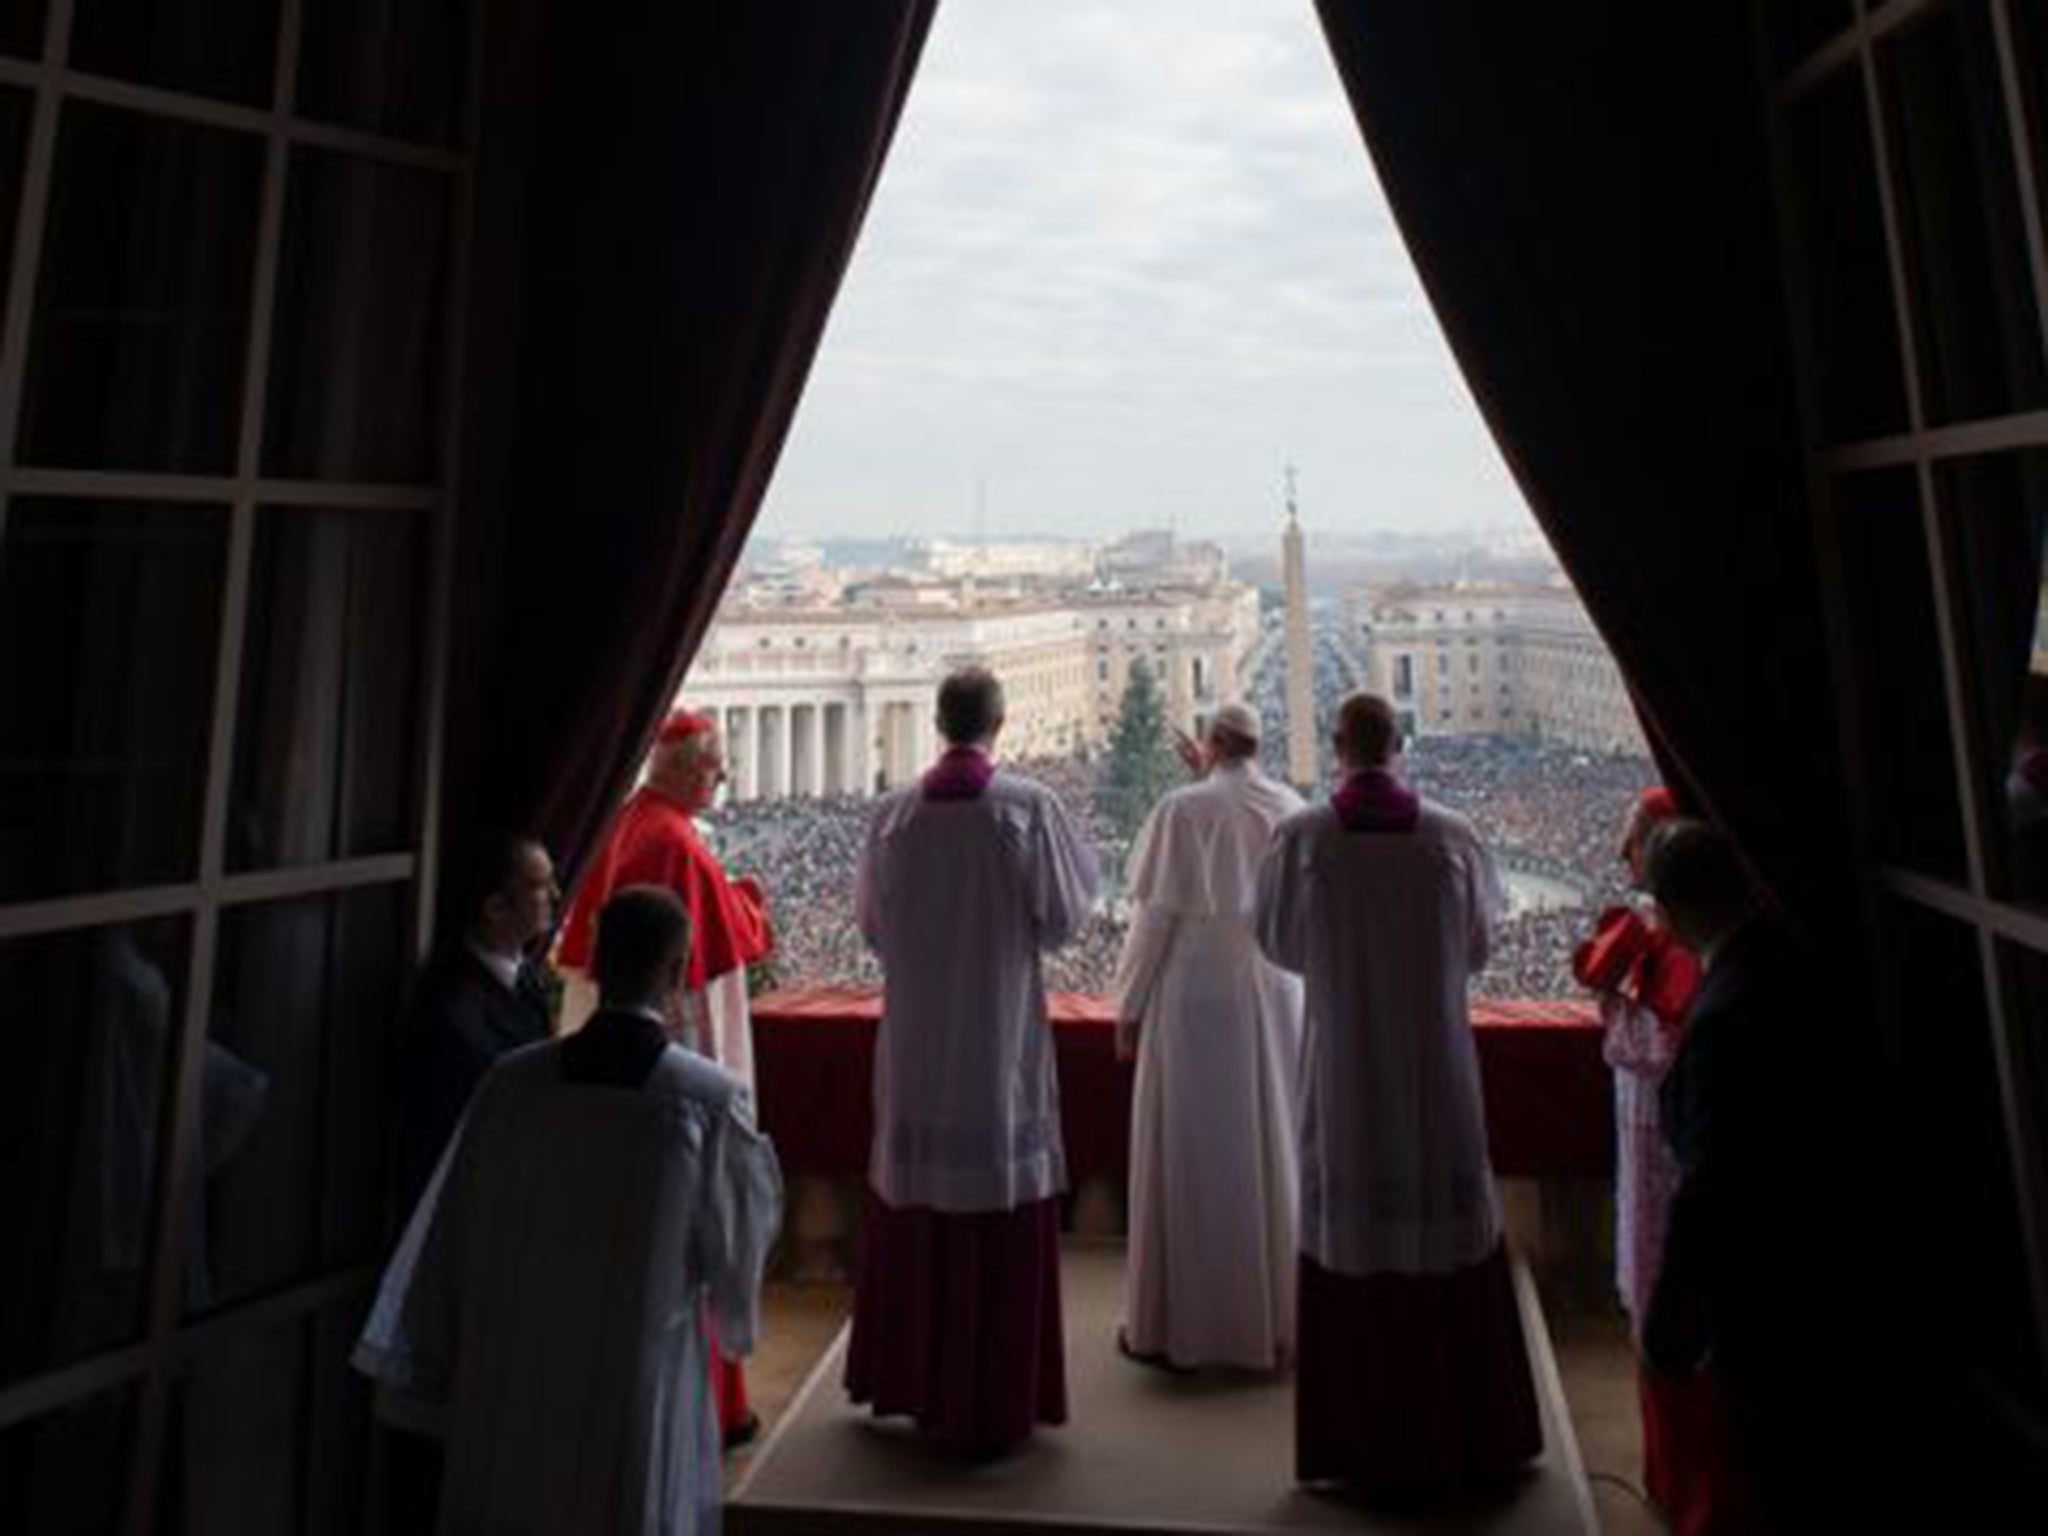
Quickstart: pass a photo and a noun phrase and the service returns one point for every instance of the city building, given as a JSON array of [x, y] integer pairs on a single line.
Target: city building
[[1494, 660], [834, 696]]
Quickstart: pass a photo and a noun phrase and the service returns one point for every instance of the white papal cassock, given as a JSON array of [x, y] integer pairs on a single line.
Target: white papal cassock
[[1414, 1372], [1214, 1172], [555, 1288]]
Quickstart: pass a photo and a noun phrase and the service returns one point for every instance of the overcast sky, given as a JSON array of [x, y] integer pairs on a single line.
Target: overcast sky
[[1126, 261]]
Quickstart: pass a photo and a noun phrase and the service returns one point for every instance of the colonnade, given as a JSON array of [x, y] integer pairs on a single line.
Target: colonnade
[[804, 749]]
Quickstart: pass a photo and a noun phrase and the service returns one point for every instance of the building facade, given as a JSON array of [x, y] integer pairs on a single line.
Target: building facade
[[837, 698], [1495, 661]]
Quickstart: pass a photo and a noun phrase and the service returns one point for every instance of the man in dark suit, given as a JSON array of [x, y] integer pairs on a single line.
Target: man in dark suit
[[479, 996], [1769, 1258]]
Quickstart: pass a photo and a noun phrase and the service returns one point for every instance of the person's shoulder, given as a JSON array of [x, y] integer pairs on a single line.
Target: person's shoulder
[[1447, 825], [1279, 799], [1189, 799], [1009, 791], [890, 808], [514, 1072], [1307, 824], [694, 1079]]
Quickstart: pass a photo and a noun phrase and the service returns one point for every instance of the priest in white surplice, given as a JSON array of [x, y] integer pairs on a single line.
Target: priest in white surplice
[[1217, 1031], [965, 879], [1414, 1377], [605, 1208]]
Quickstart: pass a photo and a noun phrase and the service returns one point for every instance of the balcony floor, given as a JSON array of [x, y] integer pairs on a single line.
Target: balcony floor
[[1140, 1454]]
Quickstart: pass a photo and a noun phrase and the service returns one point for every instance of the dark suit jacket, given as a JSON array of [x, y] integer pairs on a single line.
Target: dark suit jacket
[[460, 1020], [1758, 1108]]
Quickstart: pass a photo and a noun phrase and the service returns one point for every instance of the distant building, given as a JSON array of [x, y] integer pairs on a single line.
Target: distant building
[[1494, 660], [835, 695]]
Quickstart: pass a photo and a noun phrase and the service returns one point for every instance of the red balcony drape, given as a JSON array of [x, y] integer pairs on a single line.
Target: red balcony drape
[[1584, 191], [699, 173]]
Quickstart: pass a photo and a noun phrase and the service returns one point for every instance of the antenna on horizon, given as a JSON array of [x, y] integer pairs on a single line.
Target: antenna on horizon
[[1292, 510]]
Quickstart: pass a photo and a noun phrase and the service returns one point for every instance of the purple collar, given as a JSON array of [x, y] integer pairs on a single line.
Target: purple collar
[[1373, 800], [961, 773]]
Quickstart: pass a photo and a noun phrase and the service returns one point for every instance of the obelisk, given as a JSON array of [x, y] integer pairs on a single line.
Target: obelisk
[[1301, 688]]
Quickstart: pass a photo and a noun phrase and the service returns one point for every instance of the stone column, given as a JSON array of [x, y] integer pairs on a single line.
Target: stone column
[[763, 783], [775, 751], [740, 744], [801, 724], [815, 766], [832, 742], [860, 744]]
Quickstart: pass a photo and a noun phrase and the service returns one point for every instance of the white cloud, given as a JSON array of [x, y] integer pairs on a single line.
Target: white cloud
[[1125, 261]]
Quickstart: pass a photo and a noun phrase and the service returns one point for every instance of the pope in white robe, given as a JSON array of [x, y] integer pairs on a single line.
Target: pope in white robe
[[1414, 1374], [1217, 1031], [603, 1213], [965, 880]]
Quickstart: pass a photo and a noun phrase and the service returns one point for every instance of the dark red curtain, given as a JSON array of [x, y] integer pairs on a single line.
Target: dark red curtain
[[699, 176], [1584, 191]]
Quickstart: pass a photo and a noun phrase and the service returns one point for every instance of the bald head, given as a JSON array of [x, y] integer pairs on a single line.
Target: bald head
[[1368, 733]]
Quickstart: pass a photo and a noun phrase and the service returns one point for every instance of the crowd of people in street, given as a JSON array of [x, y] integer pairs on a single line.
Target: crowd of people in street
[[1548, 811]]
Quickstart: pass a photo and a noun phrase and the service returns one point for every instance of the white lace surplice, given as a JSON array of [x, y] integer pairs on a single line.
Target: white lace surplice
[[1640, 1047], [553, 1289], [959, 898], [1387, 929]]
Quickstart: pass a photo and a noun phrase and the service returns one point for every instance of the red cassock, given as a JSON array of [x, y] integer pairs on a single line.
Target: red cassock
[[655, 842]]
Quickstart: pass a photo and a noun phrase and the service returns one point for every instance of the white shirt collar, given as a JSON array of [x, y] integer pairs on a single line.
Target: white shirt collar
[[504, 967]]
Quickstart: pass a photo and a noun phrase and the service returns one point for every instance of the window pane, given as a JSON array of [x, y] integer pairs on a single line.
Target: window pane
[[21, 27], [90, 1020], [306, 992], [2030, 43], [1797, 27], [109, 626], [2025, 976], [355, 372], [1998, 508], [1900, 708], [268, 1433], [1838, 228], [231, 1448], [65, 1471], [142, 310], [338, 1416], [392, 66], [323, 761], [1953, 1168], [15, 107], [1975, 321], [222, 48]]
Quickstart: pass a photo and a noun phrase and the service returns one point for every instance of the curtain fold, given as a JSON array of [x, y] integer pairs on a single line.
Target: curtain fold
[[701, 173], [1584, 191]]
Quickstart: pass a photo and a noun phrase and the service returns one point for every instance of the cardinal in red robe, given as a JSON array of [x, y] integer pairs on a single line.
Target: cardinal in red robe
[[655, 842], [1645, 978]]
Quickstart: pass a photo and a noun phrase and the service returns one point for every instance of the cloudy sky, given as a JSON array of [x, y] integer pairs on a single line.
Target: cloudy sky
[[1126, 261]]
